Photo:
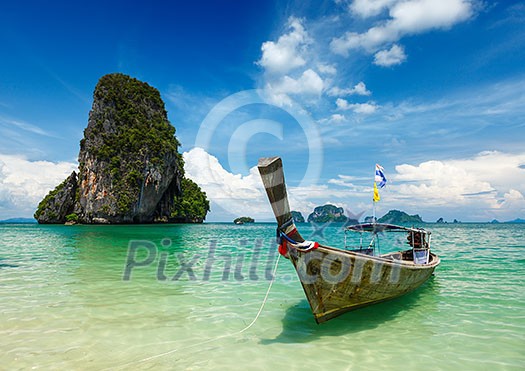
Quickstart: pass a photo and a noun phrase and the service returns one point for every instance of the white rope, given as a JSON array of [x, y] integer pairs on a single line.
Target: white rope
[[218, 337]]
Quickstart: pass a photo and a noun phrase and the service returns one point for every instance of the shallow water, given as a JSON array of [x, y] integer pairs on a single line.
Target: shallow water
[[69, 302]]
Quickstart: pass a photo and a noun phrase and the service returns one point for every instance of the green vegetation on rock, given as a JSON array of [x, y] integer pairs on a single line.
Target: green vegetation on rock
[[193, 205], [59, 202], [297, 217], [327, 213], [72, 218], [400, 217], [50, 198]]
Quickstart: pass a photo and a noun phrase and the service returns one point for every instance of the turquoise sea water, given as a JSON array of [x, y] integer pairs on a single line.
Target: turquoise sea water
[[69, 302]]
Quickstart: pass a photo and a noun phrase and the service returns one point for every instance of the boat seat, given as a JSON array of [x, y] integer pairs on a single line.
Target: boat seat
[[396, 256], [421, 256], [365, 251]]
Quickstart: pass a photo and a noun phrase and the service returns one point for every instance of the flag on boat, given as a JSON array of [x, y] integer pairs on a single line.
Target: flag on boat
[[376, 193], [380, 177], [379, 181]]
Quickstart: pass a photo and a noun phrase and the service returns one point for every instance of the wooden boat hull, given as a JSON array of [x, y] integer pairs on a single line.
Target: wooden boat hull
[[337, 281]]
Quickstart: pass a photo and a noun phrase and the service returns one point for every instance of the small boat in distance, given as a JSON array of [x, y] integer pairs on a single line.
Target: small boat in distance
[[337, 280]]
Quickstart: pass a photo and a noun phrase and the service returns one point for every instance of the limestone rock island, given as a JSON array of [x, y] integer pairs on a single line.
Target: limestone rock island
[[130, 170], [327, 213], [243, 220]]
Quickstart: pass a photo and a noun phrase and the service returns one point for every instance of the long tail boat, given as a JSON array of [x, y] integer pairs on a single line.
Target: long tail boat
[[338, 280]]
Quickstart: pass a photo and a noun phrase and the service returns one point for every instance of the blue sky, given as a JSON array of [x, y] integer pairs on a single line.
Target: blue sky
[[434, 91]]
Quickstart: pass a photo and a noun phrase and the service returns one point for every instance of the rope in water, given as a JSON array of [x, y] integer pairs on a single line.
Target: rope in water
[[218, 337]]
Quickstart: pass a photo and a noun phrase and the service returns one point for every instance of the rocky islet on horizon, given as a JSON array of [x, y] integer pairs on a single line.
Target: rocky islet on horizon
[[331, 213]]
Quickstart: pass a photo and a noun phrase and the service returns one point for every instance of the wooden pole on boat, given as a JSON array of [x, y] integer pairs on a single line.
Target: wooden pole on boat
[[272, 174], [374, 198]]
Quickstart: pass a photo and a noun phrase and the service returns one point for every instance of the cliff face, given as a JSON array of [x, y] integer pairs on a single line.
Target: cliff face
[[128, 158], [129, 167]]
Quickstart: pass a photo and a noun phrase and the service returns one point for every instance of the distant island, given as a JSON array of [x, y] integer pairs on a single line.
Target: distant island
[[400, 217], [331, 213], [297, 217], [515, 221], [130, 170], [327, 213], [370, 219], [244, 220], [18, 221]]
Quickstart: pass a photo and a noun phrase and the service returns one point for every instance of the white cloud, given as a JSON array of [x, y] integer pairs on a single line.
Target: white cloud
[[285, 54], [394, 55], [342, 104], [328, 69], [406, 18], [23, 183], [335, 118], [347, 181], [369, 8], [439, 182], [235, 193], [358, 89], [309, 83], [416, 16], [342, 45], [513, 200], [492, 183], [307, 86], [501, 170], [489, 171], [363, 108], [288, 70]]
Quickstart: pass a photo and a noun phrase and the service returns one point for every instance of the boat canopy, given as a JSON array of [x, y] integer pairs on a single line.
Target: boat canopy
[[381, 227]]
